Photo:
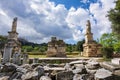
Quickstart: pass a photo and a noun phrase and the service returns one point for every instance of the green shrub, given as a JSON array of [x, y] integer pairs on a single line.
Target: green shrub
[[107, 52], [72, 53]]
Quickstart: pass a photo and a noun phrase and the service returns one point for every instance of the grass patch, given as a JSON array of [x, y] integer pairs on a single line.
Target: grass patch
[[37, 56], [44, 56], [104, 59]]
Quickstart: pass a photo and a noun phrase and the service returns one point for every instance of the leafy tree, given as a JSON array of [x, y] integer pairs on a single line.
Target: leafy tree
[[108, 39], [27, 48], [3, 40], [69, 48], [107, 52], [36, 48], [117, 47], [110, 43], [79, 46], [114, 17], [43, 49]]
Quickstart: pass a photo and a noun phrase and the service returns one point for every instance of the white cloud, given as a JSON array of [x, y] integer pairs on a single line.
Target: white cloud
[[76, 20], [84, 1], [100, 12], [38, 20]]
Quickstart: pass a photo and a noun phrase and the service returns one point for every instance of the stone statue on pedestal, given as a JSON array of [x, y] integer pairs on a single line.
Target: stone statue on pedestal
[[90, 47], [13, 45], [14, 24], [88, 26]]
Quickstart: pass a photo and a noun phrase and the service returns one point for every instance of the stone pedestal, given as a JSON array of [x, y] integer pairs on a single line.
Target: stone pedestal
[[16, 58], [12, 45], [56, 48], [90, 47], [92, 50], [25, 58], [7, 54]]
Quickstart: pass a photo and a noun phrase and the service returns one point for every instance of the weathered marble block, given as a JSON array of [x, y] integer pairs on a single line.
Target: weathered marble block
[[16, 58], [25, 58], [64, 75], [45, 78], [116, 61], [7, 54], [103, 74], [110, 66]]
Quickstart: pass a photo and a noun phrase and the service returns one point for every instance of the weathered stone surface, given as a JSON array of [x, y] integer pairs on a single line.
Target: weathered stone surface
[[79, 70], [77, 77], [77, 62], [9, 68], [90, 47], [45, 78], [7, 54], [56, 65], [12, 45], [116, 61], [27, 66], [116, 72], [92, 61], [87, 77], [22, 70], [32, 75], [17, 58], [91, 71], [16, 75], [83, 77], [4, 78], [91, 67], [103, 74], [40, 71], [56, 48], [56, 72], [34, 65], [1, 66], [0, 56], [67, 67], [79, 65], [25, 58], [47, 68], [109, 66], [36, 60], [64, 75]]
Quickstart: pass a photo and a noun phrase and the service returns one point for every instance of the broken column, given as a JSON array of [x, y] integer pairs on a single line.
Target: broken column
[[12, 45]]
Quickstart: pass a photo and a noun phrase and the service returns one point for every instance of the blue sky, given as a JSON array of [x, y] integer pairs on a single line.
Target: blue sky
[[75, 3], [39, 20]]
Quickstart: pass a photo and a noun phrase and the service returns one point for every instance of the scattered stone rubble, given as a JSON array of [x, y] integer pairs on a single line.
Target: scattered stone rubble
[[75, 70]]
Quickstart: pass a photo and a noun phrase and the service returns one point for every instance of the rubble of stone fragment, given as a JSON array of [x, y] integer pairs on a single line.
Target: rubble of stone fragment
[[75, 70]]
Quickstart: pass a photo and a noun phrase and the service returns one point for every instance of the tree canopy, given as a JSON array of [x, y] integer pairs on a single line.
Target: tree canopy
[[114, 17], [109, 40]]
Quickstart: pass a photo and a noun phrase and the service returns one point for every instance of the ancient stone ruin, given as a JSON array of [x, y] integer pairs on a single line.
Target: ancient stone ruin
[[56, 48], [13, 45], [89, 69], [90, 47], [81, 69]]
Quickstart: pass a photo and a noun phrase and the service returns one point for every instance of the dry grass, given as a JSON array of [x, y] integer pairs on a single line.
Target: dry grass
[[44, 56]]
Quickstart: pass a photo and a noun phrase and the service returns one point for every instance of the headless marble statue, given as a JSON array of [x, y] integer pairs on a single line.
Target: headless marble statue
[[14, 24]]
